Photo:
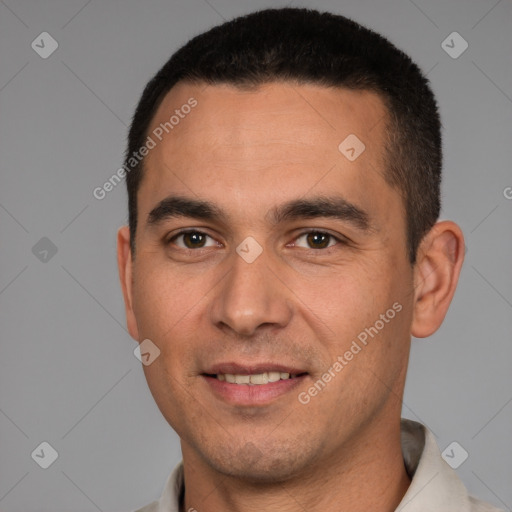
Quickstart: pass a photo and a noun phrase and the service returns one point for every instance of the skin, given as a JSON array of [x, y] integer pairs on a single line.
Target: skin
[[249, 152]]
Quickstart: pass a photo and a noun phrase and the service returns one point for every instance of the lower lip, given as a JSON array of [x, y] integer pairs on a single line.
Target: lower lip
[[250, 395]]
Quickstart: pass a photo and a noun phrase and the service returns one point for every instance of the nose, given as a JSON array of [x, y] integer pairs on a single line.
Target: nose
[[251, 296]]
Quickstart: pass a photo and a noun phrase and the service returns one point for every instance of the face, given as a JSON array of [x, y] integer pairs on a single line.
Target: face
[[271, 272]]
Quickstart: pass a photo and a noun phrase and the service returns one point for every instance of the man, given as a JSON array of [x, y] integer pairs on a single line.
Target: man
[[283, 173]]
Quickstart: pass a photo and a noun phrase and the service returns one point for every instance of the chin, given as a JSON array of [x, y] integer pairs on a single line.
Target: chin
[[261, 464]]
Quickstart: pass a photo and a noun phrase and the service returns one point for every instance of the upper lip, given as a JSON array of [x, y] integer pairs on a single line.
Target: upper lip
[[252, 369]]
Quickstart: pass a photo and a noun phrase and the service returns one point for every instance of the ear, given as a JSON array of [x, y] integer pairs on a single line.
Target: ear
[[436, 274], [125, 267]]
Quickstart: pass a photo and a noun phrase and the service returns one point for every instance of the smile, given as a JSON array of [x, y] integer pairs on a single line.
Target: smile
[[252, 385], [255, 379]]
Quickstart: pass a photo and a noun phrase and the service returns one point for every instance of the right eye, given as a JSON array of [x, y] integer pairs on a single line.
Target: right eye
[[191, 239]]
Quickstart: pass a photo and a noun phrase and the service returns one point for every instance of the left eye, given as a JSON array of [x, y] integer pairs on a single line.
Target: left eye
[[192, 240], [318, 239]]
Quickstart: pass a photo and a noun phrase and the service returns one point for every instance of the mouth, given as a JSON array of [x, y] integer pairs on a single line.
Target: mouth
[[256, 379], [252, 385]]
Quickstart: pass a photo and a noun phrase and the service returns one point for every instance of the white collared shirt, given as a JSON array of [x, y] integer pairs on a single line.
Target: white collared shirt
[[435, 487]]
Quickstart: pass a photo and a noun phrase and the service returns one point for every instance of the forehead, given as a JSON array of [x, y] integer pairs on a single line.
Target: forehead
[[303, 114], [279, 139]]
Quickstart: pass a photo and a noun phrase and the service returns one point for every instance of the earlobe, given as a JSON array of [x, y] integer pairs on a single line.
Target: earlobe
[[436, 274], [125, 268]]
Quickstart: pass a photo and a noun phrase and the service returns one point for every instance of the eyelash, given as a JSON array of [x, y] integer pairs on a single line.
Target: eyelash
[[340, 241]]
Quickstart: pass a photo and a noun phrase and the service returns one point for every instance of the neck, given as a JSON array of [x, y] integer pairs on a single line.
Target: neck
[[368, 473]]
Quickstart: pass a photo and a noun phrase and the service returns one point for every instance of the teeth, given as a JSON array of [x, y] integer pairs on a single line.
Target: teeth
[[242, 379], [274, 376], [258, 379]]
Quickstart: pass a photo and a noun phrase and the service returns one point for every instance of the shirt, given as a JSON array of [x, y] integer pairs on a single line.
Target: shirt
[[435, 487]]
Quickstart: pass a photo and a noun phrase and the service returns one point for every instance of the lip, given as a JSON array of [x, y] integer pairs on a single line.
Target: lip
[[251, 395], [252, 369], [248, 395]]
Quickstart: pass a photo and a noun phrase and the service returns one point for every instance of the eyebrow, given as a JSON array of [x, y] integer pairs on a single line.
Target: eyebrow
[[331, 207], [177, 206]]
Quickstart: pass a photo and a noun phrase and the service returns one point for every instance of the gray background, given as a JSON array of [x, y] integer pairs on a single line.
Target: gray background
[[68, 375]]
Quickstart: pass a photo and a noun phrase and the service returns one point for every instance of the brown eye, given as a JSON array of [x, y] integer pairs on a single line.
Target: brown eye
[[191, 240], [194, 239], [318, 240]]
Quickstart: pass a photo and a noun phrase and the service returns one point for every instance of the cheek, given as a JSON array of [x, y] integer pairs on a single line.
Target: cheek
[[169, 305], [358, 302], [346, 297], [163, 298], [166, 304]]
